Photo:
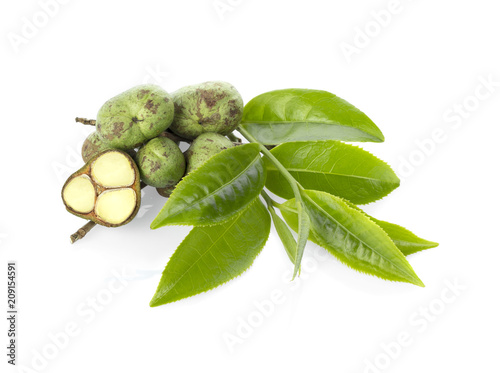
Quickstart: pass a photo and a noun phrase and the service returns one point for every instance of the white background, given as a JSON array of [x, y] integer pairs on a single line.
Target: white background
[[422, 66]]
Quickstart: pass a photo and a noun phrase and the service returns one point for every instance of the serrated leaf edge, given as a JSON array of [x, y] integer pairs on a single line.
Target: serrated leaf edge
[[222, 283], [375, 220], [269, 166], [323, 244], [189, 176]]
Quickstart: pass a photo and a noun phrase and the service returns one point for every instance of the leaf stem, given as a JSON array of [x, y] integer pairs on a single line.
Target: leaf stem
[[80, 233], [89, 122], [304, 222], [293, 183]]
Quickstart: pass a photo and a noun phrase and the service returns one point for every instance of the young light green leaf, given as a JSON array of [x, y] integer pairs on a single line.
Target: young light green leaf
[[306, 114], [334, 167], [216, 191], [212, 255], [302, 236], [352, 237], [405, 240], [283, 231]]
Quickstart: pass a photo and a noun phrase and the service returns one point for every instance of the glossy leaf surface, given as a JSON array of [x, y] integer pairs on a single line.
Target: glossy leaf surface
[[404, 239], [212, 255], [216, 191], [306, 114], [352, 237], [340, 169]]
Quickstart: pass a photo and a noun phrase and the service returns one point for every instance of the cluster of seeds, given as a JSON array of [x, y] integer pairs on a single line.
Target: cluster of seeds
[[137, 139]]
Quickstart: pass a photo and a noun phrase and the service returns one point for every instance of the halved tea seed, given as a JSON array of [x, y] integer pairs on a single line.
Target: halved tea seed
[[107, 190], [114, 206], [80, 194], [113, 170]]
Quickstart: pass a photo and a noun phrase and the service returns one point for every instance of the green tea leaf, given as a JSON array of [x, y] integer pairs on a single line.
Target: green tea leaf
[[306, 114], [352, 237], [212, 255], [334, 167], [405, 240], [216, 191], [285, 236], [303, 236], [283, 231]]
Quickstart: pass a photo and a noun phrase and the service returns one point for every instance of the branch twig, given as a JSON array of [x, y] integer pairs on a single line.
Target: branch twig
[[80, 233], [90, 122]]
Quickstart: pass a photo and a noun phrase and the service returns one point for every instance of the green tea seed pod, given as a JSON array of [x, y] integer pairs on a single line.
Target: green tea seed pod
[[92, 146], [206, 107], [161, 163], [133, 117], [167, 191], [204, 147]]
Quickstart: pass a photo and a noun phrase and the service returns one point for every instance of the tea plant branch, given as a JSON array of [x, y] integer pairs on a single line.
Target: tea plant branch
[[80, 233], [89, 122], [304, 222]]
